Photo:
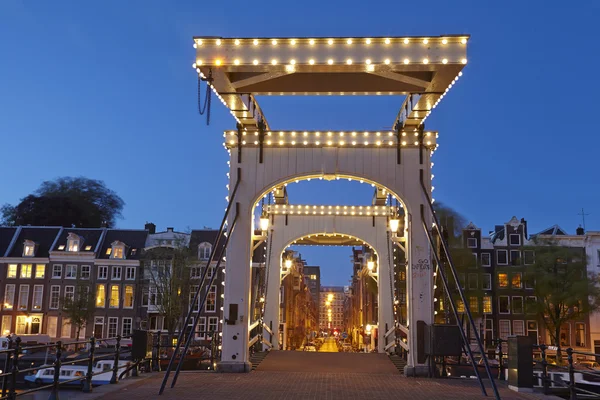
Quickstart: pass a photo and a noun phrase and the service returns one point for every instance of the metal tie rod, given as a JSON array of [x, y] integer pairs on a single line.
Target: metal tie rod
[[460, 291], [202, 279]]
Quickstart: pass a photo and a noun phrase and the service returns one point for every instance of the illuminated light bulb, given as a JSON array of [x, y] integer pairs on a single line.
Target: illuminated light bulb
[[293, 62], [293, 42], [390, 142], [445, 61], [329, 142], [255, 42], [353, 143], [341, 133], [349, 61], [425, 61], [281, 142], [218, 42], [329, 134], [293, 142], [368, 41], [217, 62], [416, 143], [237, 42], [406, 41], [305, 134], [366, 142], [236, 61], [368, 61], [194, 65], [425, 41], [311, 42], [199, 42], [311, 61], [317, 143], [269, 142], [317, 134], [378, 134], [387, 41], [274, 42], [378, 143], [463, 41], [342, 143], [464, 61], [406, 61], [305, 142], [274, 61], [255, 62], [387, 61], [330, 61], [403, 143], [256, 142], [330, 42], [428, 142], [349, 41]]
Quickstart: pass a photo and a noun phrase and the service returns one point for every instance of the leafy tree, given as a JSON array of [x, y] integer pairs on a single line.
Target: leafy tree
[[66, 201], [565, 291], [167, 270], [81, 308]]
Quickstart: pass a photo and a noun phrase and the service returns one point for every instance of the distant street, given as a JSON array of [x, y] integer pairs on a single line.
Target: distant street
[[329, 346]]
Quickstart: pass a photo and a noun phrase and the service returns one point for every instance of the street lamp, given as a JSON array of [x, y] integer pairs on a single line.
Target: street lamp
[[394, 223], [371, 265], [288, 263], [264, 221]]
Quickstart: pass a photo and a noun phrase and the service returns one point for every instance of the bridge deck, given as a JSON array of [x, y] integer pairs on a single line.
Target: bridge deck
[[298, 361]]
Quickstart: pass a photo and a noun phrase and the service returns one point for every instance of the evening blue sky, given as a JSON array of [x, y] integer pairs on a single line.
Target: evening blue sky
[[106, 90]]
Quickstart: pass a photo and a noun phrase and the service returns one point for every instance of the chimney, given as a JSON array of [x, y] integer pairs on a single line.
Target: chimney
[[150, 227], [580, 231], [170, 229], [524, 223]]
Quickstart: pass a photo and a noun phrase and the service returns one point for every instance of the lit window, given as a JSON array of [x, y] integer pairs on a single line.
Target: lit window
[[26, 270], [502, 280], [23, 297], [9, 296], [487, 304], [73, 242], [100, 296], [114, 296], [28, 248], [460, 306], [12, 271], [118, 252], [474, 304], [128, 300], [88, 248], [108, 251], [40, 271], [516, 280], [61, 247]]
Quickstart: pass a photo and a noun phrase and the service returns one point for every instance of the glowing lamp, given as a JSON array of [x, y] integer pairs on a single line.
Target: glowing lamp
[[370, 265], [264, 222], [288, 264], [368, 328], [394, 224]]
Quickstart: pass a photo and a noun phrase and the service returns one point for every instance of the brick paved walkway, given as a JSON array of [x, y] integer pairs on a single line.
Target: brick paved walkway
[[308, 376]]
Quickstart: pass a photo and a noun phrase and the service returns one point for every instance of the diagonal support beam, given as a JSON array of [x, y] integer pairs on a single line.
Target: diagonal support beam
[[396, 76], [258, 79]]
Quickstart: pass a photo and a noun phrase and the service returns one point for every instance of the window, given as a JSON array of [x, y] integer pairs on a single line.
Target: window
[[116, 273], [103, 272], [126, 326], [40, 271], [211, 300], [130, 273], [502, 257], [12, 271], [502, 280], [52, 327], [504, 304], [515, 257], [580, 334], [504, 327], [460, 306], [21, 325], [514, 239], [196, 306], [201, 329], [204, 251], [473, 281], [114, 296], [195, 272], [486, 284], [38, 293], [23, 297], [565, 335], [128, 299], [100, 296], [156, 323], [28, 248], [213, 324], [88, 248], [532, 331], [70, 293], [118, 250], [26, 270], [85, 272], [530, 304], [486, 260], [113, 324], [70, 271], [519, 328], [72, 242], [9, 296], [474, 304], [528, 257], [517, 304], [471, 243], [54, 297], [6, 324], [56, 271], [516, 280], [487, 304]]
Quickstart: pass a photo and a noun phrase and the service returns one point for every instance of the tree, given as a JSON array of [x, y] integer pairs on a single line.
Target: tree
[[80, 307], [565, 291], [66, 201], [167, 270]]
